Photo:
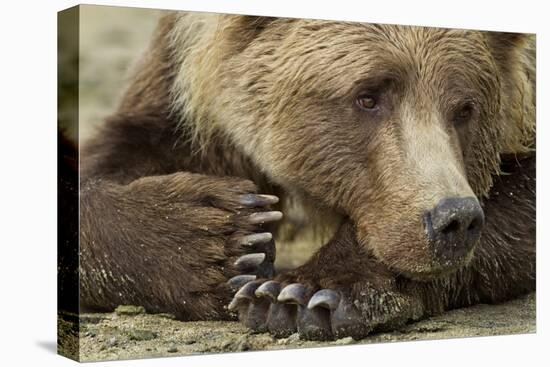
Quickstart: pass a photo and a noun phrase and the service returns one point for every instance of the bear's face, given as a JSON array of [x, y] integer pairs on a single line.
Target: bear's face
[[380, 123]]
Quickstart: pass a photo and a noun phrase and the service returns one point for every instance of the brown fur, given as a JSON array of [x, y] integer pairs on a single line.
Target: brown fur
[[225, 105]]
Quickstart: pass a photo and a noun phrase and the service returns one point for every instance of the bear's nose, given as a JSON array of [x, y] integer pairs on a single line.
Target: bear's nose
[[454, 226]]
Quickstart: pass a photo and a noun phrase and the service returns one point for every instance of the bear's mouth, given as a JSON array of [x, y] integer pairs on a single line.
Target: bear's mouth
[[413, 255], [438, 270]]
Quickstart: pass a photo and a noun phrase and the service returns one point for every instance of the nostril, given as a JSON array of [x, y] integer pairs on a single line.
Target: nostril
[[475, 225], [452, 227]]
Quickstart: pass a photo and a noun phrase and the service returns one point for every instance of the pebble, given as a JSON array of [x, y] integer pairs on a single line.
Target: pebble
[[172, 350], [112, 342]]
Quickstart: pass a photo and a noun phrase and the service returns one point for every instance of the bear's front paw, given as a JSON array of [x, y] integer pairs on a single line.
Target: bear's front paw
[[219, 226], [319, 313]]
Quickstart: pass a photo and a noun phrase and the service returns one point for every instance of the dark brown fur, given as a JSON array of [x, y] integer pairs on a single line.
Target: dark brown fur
[[67, 198], [160, 217]]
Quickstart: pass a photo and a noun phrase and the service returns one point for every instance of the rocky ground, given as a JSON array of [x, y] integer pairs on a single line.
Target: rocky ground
[[111, 41], [131, 333]]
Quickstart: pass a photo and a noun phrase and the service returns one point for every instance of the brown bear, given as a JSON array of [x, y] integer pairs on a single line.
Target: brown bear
[[417, 144]]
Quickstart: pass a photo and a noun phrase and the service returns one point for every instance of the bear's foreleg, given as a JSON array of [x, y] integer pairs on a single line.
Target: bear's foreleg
[[168, 242]]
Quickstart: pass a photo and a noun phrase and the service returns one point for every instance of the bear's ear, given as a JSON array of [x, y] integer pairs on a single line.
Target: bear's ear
[[503, 43], [505, 39], [240, 30]]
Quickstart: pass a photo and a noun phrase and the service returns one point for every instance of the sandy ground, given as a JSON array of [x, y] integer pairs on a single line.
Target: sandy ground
[[128, 336], [111, 41]]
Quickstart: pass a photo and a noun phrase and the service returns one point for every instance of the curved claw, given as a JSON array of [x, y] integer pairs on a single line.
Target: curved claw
[[235, 304], [269, 289], [326, 298], [245, 293], [264, 217], [258, 200], [254, 238], [250, 261], [294, 293], [240, 280]]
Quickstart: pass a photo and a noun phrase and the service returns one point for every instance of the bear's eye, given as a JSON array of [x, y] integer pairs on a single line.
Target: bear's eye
[[366, 102], [463, 114]]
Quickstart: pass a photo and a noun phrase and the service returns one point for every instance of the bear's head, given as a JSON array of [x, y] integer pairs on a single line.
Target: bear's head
[[400, 128]]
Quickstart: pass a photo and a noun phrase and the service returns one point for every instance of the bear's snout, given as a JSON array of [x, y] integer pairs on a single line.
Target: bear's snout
[[453, 227]]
